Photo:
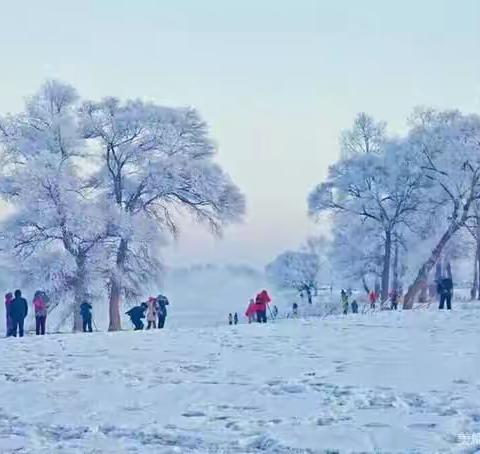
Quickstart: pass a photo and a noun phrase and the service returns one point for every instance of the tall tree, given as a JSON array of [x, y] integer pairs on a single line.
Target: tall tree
[[156, 162], [447, 148]]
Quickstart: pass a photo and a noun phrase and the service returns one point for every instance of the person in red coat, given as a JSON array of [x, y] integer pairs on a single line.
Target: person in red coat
[[261, 303]]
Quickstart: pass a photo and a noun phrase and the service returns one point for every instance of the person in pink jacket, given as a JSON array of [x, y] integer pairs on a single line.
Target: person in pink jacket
[[251, 311], [151, 313], [261, 303]]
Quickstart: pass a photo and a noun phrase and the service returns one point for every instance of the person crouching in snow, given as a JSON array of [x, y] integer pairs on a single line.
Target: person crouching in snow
[[40, 307], [261, 303], [151, 313], [251, 311], [136, 314]]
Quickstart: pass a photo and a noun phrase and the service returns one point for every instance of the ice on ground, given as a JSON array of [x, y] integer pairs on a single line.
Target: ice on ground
[[383, 382]]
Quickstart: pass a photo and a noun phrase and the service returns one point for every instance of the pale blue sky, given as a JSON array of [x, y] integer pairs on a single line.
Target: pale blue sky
[[276, 80]]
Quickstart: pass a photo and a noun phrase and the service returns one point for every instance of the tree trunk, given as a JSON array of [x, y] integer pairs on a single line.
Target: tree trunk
[[428, 265], [396, 281], [80, 292], [386, 267], [114, 303], [474, 289], [365, 285]]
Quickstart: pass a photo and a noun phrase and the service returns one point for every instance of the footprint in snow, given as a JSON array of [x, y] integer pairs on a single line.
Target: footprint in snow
[[193, 414], [422, 426]]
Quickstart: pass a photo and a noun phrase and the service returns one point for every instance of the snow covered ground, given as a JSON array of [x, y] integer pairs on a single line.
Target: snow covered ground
[[383, 382]]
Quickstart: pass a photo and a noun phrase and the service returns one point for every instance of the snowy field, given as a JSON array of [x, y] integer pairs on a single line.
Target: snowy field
[[385, 382]]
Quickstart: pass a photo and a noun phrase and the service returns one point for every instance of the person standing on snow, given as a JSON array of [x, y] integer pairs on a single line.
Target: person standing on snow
[[445, 290], [261, 303], [354, 307], [40, 305], [294, 309], [275, 311], [373, 297], [230, 319], [136, 314], [86, 313], [18, 311], [251, 311], [162, 303], [151, 313], [344, 301], [8, 301], [394, 299], [235, 319]]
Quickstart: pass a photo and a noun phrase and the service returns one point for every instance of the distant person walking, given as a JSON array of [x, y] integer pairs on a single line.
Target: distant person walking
[[86, 313], [151, 313], [445, 290], [235, 319], [8, 301], [40, 307], [18, 312], [230, 319], [394, 295], [162, 303]]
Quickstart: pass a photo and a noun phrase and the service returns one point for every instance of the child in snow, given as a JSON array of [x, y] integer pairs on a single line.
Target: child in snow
[[8, 300], [136, 314], [86, 313], [151, 313], [40, 307], [251, 311], [275, 311], [235, 318], [230, 319]]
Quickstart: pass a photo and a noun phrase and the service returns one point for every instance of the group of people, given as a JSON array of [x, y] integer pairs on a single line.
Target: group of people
[[155, 310], [16, 310], [257, 308]]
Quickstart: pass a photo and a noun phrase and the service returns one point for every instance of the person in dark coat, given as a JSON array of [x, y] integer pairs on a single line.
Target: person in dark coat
[[354, 307], [18, 312], [230, 319], [86, 313], [445, 290], [136, 314], [235, 318], [162, 303]]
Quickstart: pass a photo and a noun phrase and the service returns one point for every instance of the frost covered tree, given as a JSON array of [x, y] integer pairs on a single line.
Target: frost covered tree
[[155, 163], [51, 208], [366, 136], [103, 184], [295, 270], [379, 189], [447, 150]]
